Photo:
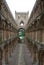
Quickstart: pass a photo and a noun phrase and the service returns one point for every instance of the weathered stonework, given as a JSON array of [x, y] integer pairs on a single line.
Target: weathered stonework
[[21, 16], [35, 31], [8, 33]]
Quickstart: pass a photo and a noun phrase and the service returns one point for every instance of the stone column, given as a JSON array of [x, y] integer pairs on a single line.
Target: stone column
[[10, 49], [39, 48], [35, 50], [6, 54], [1, 56], [41, 57]]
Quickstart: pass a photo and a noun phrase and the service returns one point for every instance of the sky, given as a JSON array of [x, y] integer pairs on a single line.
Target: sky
[[20, 6]]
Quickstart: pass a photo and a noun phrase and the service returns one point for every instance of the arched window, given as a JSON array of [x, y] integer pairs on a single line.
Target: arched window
[[21, 23]]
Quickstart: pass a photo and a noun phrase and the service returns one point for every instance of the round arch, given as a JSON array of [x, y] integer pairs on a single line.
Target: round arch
[[21, 33]]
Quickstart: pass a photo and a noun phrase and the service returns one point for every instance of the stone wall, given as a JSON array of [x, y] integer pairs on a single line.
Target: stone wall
[[8, 33], [35, 32]]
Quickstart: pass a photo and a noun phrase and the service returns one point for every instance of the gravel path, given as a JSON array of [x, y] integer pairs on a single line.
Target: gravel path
[[21, 56]]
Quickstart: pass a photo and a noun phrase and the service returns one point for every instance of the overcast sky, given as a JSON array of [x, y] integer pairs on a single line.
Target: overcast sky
[[20, 5]]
